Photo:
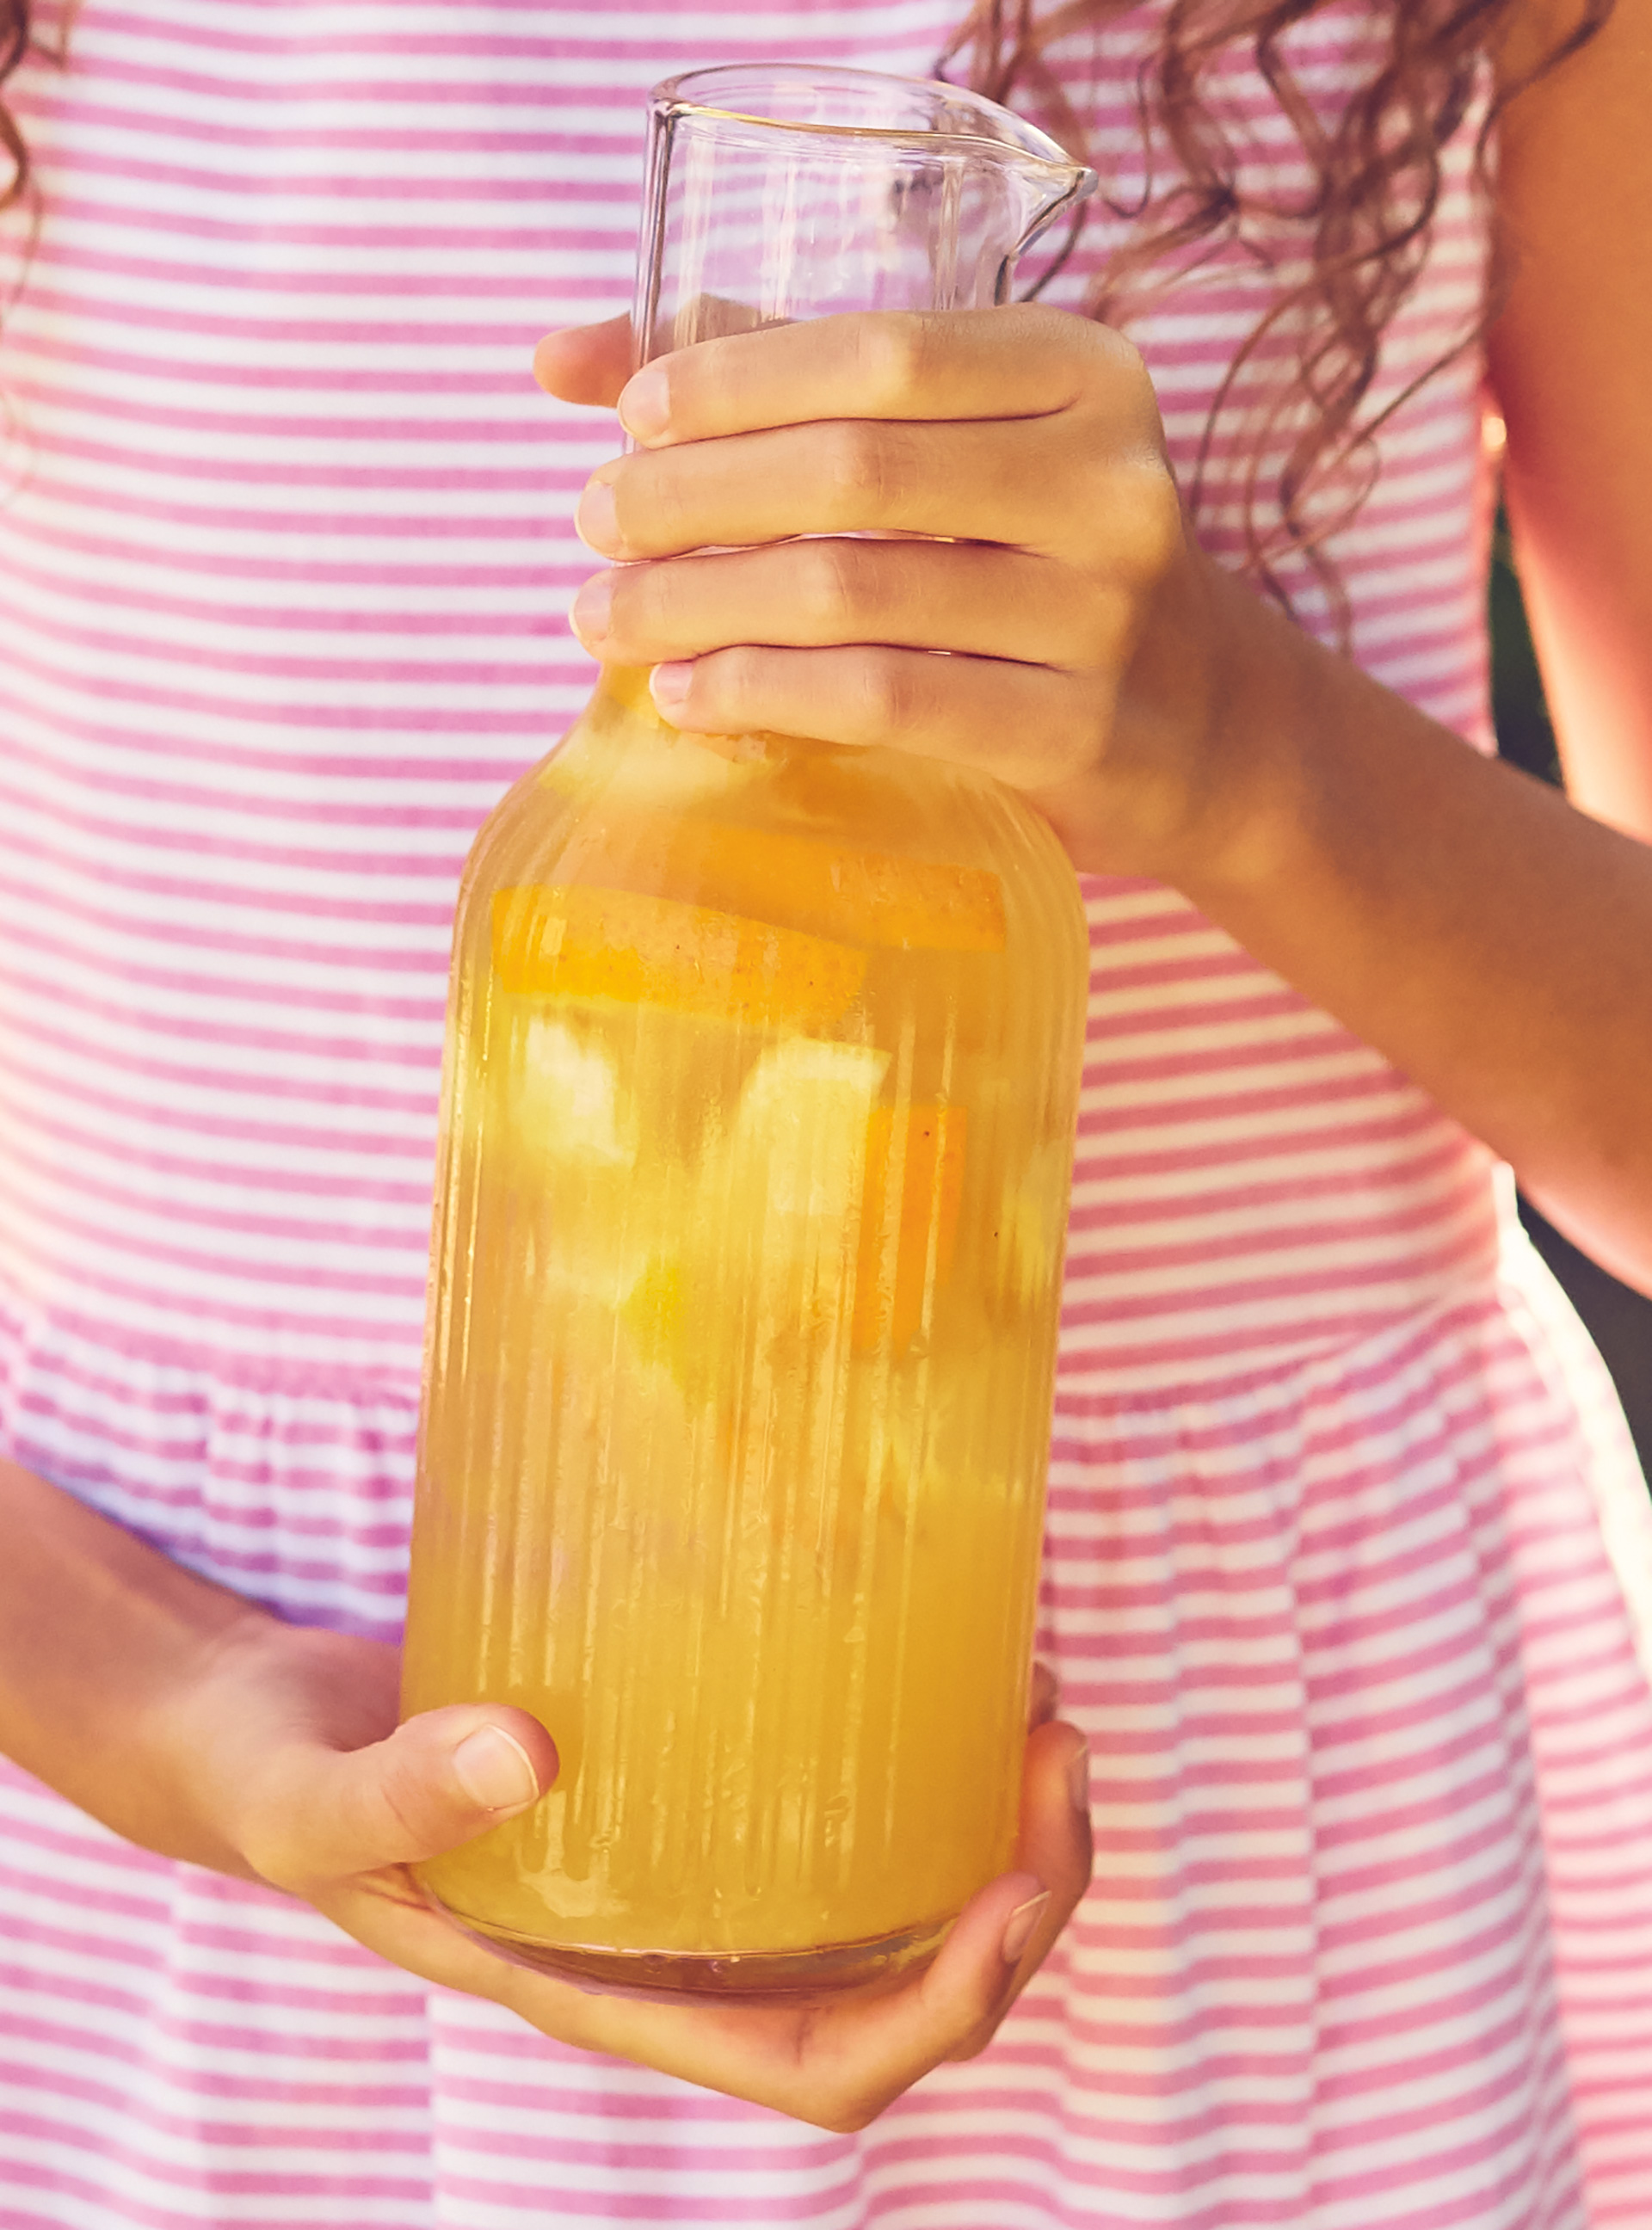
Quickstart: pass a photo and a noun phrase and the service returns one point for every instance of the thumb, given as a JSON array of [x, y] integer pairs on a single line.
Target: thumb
[[438, 1781], [588, 364]]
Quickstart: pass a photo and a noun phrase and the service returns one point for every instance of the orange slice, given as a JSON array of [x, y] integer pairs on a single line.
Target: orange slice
[[865, 897], [880, 899], [814, 884], [903, 1242], [576, 941]]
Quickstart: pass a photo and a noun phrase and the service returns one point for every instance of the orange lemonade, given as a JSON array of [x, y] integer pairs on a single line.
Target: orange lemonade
[[759, 1107]]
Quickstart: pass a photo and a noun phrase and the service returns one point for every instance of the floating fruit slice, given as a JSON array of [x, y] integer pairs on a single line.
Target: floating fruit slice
[[914, 1182], [566, 1099], [813, 884], [798, 1138], [576, 941], [866, 898], [795, 1166]]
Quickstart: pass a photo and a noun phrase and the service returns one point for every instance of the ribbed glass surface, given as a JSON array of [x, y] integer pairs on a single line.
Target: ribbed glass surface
[[761, 1086]]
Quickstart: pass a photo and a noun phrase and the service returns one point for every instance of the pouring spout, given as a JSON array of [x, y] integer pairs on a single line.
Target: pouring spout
[[775, 194], [1062, 189]]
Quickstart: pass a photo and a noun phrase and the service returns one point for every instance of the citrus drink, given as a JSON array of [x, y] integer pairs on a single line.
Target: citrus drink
[[758, 1135]]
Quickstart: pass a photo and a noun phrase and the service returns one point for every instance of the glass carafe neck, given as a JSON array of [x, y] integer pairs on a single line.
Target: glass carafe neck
[[776, 194]]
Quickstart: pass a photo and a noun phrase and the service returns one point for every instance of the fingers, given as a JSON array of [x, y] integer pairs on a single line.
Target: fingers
[[322, 1814], [837, 2064], [985, 364], [1029, 725], [1055, 1838], [950, 2012], [1018, 457], [588, 364], [1055, 1850], [999, 1943], [823, 505], [840, 2063], [1026, 481], [958, 597]]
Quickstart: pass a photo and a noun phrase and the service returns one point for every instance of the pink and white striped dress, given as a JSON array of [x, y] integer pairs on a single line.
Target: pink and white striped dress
[[1341, 1518]]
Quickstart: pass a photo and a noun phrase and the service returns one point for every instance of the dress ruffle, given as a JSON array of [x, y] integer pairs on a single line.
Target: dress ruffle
[[1370, 1939]]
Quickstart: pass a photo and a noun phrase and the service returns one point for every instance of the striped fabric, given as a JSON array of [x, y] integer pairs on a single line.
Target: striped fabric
[[1342, 1521]]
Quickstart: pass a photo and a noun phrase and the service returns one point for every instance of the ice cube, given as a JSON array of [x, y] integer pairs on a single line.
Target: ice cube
[[798, 1138], [568, 1098]]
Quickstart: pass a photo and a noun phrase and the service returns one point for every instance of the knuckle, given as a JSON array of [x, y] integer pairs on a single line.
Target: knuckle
[[891, 695], [866, 473], [738, 671], [893, 359], [849, 2124], [829, 589], [1132, 528], [1126, 359], [1146, 521], [1118, 373], [266, 1825], [728, 686]]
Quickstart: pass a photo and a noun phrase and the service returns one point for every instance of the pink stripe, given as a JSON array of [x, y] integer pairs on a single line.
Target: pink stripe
[[332, 2182], [1203, 1646]]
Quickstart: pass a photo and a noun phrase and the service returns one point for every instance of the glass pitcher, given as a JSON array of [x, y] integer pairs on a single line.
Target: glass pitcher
[[759, 1099]]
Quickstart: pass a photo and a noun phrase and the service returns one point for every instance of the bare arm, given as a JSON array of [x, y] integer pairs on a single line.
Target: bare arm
[[99, 1637], [191, 1722], [197, 1725], [1493, 942], [1498, 946]]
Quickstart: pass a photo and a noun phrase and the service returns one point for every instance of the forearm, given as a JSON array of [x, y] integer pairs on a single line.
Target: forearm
[[104, 1643], [1002, 495], [1495, 944], [1488, 938]]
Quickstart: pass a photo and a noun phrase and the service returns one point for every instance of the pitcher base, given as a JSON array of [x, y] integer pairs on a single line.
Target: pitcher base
[[771, 1977]]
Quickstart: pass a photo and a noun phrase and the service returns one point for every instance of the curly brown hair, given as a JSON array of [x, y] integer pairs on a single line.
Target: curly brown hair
[[13, 45], [1365, 221]]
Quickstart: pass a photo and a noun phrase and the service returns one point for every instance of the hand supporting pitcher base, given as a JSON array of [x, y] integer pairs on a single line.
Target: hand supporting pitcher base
[[775, 1977]]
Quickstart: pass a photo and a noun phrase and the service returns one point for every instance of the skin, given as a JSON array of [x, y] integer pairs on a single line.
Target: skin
[[1483, 933], [1461, 919], [197, 1726]]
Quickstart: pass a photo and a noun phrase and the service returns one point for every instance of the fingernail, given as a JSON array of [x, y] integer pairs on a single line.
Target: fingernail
[[669, 685], [494, 1770], [1017, 1930], [645, 404], [597, 521], [1078, 1778], [591, 609]]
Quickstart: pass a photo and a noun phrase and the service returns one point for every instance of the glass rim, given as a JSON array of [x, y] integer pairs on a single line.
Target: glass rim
[[676, 97]]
